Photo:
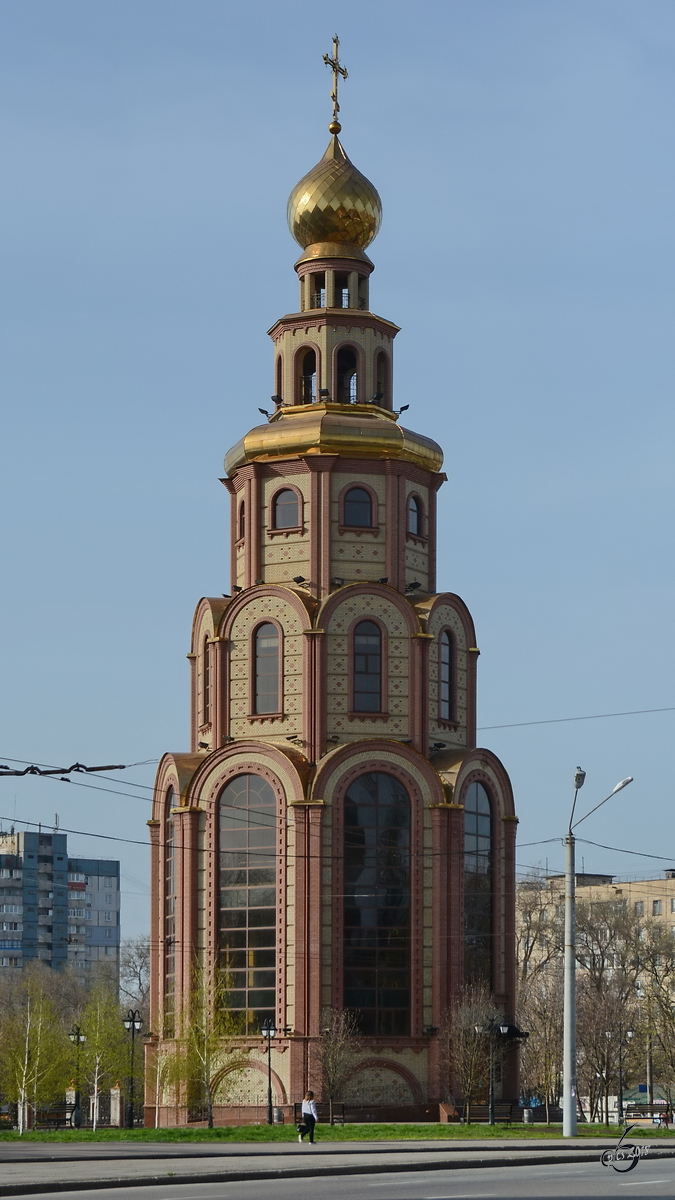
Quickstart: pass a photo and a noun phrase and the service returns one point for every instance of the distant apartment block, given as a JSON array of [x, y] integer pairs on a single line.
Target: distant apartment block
[[54, 908]]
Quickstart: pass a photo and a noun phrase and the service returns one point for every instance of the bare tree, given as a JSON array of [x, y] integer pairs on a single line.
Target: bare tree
[[467, 1044], [337, 1052], [541, 1013], [540, 924], [135, 973]]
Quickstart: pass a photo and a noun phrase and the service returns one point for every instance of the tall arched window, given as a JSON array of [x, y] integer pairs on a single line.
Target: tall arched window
[[242, 520], [377, 905], [308, 378], [169, 933], [446, 680], [415, 515], [286, 514], [382, 379], [347, 388], [267, 669], [478, 898], [280, 376], [206, 682], [248, 877], [358, 508], [367, 667]]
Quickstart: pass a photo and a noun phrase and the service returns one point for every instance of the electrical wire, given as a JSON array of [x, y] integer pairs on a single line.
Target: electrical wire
[[634, 712]]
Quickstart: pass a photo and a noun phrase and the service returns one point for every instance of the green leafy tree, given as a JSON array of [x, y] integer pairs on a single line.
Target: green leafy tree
[[34, 1047], [105, 1052], [208, 1056]]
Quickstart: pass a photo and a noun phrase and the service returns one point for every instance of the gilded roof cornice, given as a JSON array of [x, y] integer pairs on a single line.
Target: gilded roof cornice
[[349, 430]]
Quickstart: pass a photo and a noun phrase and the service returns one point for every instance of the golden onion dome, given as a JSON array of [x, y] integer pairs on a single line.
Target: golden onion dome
[[334, 203], [350, 430]]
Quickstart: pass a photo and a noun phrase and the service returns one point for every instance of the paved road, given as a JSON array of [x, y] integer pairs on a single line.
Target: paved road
[[570, 1181]]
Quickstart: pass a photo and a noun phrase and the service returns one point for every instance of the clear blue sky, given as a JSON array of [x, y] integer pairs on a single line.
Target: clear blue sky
[[524, 153]]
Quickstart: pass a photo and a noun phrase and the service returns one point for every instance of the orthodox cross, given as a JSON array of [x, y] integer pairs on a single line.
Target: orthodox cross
[[338, 70]]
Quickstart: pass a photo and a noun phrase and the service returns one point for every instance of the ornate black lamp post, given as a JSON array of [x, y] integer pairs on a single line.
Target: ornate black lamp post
[[78, 1038], [269, 1031], [133, 1022]]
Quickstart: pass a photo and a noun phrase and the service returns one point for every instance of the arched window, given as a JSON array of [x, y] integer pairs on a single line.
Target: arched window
[[477, 886], [347, 391], [248, 877], [367, 667], [382, 379], [415, 515], [242, 520], [377, 905], [267, 669], [206, 682], [286, 514], [280, 377], [446, 677], [358, 508], [169, 918], [308, 378]]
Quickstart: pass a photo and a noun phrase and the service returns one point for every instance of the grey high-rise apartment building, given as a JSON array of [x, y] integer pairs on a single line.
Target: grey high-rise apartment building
[[56, 909]]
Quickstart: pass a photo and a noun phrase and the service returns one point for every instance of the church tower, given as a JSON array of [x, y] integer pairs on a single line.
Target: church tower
[[334, 838]]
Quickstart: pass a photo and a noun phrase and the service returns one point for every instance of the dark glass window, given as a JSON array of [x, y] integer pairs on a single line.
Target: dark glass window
[[377, 905], [477, 886], [308, 378], [242, 519], [446, 676], [248, 877], [286, 510], [169, 919], [267, 669], [382, 379], [346, 376], [414, 515], [367, 667], [206, 683], [358, 508]]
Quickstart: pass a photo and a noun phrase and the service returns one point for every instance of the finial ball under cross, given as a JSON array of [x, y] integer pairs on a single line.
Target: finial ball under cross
[[338, 70]]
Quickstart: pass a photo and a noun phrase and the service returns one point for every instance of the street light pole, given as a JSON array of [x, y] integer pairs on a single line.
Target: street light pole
[[77, 1037], [570, 996], [133, 1023]]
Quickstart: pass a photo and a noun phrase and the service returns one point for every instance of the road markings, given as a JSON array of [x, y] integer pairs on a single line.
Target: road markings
[[644, 1182]]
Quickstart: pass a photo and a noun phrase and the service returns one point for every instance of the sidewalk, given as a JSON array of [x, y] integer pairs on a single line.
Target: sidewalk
[[31, 1168]]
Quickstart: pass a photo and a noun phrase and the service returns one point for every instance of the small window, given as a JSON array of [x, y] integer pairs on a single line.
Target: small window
[[286, 510], [242, 520], [267, 669], [639, 908], [347, 386], [446, 677], [367, 667], [414, 515], [358, 508], [280, 376], [672, 905], [308, 378], [657, 908]]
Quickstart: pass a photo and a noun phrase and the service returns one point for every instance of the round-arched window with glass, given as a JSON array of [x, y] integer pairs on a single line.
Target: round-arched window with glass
[[248, 877], [266, 672], [358, 508], [478, 885], [376, 952], [415, 515], [286, 510]]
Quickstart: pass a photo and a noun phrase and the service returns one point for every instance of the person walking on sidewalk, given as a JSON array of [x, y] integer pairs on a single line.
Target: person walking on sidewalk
[[308, 1118]]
